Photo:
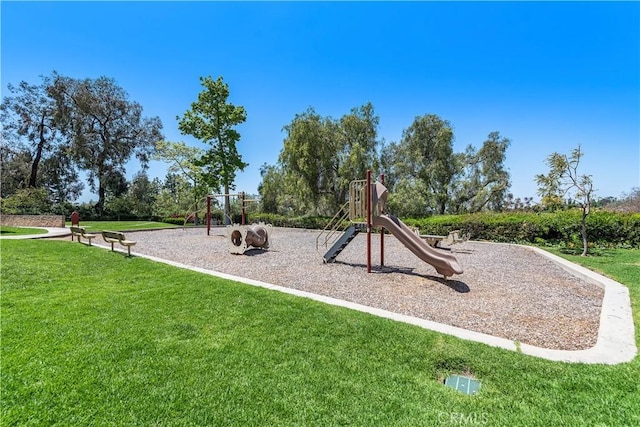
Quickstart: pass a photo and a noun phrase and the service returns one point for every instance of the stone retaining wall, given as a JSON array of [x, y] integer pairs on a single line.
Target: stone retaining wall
[[32, 220]]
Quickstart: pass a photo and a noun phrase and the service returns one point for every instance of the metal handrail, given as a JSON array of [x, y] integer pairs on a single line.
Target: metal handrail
[[334, 225]]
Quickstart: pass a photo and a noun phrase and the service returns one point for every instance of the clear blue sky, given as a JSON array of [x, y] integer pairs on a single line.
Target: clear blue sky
[[547, 75]]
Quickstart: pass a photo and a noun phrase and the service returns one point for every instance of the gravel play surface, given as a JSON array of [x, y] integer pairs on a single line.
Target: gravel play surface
[[506, 291]]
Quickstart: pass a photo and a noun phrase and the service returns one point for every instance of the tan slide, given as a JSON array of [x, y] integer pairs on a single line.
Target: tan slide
[[444, 263]]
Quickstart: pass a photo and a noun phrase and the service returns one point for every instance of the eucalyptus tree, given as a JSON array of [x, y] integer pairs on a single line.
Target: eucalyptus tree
[[105, 128], [321, 156], [308, 157], [212, 119], [563, 179], [34, 153], [424, 158], [483, 181], [357, 148]]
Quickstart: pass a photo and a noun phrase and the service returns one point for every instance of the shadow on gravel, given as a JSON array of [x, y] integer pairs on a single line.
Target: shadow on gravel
[[463, 251], [456, 285], [254, 252]]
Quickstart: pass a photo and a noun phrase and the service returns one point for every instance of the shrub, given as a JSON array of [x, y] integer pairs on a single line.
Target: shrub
[[561, 227]]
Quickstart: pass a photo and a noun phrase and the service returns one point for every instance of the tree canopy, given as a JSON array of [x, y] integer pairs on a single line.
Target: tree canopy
[[212, 119], [563, 179], [320, 157], [424, 160], [33, 152], [104, 128]]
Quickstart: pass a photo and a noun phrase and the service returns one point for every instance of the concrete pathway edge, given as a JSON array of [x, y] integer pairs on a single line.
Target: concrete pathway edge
[[616, 336], [615, 344]]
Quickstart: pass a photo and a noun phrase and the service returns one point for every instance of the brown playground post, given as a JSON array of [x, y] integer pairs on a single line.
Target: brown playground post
[[381, 231], [368, 196]]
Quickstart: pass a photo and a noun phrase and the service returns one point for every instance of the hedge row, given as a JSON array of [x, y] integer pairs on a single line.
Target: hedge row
[[311, 222], [563, 227]]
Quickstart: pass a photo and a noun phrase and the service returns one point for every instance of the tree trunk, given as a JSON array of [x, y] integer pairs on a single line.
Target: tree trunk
[[585, 243], [36, 161], [196, 220], [227, 206], [442, 207], [101, 196]]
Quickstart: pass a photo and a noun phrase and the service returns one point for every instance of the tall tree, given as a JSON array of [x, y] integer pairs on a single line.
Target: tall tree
[[106, 128], [425, 153], [563, 177], [484, 180], [358, 148], [30, 130], [212, 119], [324, 155], [309, 152]]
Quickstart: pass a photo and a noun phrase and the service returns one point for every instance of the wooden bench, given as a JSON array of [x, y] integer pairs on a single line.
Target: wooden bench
[[432, 240], [80, 232], [452, 238], [117, 237]]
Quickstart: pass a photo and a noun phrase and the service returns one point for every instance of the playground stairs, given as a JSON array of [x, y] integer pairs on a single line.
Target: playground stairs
[[346, 238], [345, 224]]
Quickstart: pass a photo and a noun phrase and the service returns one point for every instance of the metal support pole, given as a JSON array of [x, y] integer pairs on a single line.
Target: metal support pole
[[368, 196], [380, 212], [208, 214], [243, 211]]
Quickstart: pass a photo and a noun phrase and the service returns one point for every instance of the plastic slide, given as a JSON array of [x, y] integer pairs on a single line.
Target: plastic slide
[[444, 263]]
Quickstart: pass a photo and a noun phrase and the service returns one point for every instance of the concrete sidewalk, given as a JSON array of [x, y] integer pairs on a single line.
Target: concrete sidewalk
[[51, 232]]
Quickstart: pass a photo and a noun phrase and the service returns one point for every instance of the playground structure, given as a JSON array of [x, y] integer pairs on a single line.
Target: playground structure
[[244, 237], [366, 210]]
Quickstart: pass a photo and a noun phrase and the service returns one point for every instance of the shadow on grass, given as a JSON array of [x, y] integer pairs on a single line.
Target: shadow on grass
[[578, 252]]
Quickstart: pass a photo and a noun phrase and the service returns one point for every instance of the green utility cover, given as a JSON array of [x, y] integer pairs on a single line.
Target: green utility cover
[[463, 384]]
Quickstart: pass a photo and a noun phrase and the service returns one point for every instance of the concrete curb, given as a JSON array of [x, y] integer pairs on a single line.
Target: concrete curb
[[616, 335], [616, 341], [51, 232]]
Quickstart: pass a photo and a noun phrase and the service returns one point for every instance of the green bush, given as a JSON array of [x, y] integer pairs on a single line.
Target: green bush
[[562, 227], [604, 229], [26, 201], [171, 220]]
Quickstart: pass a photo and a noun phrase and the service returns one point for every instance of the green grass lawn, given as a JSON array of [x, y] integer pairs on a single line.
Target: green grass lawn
[[98, 226], [92, 337], [19, 231]]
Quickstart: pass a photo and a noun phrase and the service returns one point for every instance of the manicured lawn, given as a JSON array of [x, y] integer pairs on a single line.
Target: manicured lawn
[[93, 337], [17, 231], [97, 226], [619, 264]]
